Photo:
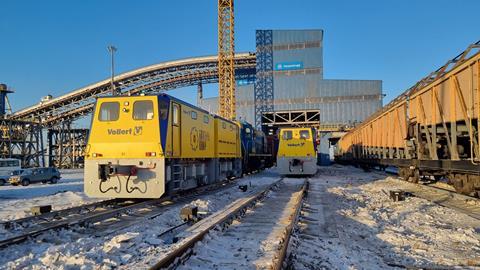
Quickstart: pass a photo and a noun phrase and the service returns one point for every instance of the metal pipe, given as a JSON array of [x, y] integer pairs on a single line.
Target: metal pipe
[[112, 49]]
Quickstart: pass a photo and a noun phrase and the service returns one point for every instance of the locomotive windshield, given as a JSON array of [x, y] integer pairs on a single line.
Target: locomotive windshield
[[109, 111], [304, 134], [143, 110]]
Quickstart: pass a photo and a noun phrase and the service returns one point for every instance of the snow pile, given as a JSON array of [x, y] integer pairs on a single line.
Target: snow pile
[[16, 201]]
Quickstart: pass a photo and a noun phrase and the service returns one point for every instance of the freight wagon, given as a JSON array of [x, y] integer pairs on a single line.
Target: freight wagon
[[431, 130]]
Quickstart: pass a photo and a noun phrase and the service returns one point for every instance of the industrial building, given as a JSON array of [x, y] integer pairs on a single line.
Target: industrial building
[[298, 83], [289, 77]]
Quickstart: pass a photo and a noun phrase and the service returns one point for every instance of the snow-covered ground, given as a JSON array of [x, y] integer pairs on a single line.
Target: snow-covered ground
[[348, 222], [134, 247], [15, 201], [254, 241]]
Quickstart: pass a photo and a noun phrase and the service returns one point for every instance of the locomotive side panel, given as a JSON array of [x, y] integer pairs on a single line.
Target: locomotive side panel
[[227, 138], [197, 133]]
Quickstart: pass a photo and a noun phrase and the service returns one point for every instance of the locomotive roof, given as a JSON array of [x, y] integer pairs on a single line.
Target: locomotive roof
[[176, 100]]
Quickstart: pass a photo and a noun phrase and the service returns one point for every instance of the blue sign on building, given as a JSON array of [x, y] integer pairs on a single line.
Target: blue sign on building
[[245, 81], [288, 66]]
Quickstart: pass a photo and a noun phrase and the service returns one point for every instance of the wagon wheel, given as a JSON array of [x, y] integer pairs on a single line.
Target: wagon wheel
[[462, 185]]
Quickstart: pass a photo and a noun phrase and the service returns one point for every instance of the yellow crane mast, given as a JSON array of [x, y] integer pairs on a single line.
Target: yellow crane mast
[[226, 54]]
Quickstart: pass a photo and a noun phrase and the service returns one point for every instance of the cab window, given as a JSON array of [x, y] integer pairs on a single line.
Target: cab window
[[304, 134], [109, 111], [143, 110], [287, 135]]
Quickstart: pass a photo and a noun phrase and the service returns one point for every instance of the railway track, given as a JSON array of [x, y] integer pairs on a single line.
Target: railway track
[[462, 203], [105, 216], [257, 225], [440, 195]]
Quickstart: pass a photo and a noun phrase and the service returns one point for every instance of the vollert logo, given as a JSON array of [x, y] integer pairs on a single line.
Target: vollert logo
[[296, 144], [129, 131], [137, 130]]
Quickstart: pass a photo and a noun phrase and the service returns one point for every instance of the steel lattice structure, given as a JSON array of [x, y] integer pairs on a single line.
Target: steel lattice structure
[[226, 55], [22, 140], [263, 88], [150, 79], [66, 146]]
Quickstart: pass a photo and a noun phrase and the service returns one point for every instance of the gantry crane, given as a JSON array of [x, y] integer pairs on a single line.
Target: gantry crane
[[226, 54]]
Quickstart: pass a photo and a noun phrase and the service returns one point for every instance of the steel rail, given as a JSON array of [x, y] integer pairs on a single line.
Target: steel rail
[[278, 263], [94, 217], [446, 198], [443, 197], [59, 213], [185, 248], [172, 255], [84, 219]]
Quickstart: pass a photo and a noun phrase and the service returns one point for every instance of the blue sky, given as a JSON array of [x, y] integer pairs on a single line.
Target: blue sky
[[53, 47]]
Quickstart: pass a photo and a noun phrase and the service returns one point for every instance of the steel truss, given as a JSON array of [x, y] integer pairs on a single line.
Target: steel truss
[[22, 140], [150, 79], [263, 88], [299, 118], [66, 146], [226, 55]]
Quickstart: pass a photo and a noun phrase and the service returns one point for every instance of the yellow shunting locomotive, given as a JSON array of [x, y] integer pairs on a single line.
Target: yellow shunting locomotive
[[297, 153], [145, 146]]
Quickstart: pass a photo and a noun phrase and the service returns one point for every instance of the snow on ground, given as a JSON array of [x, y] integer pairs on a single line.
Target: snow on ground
[[348, 222], [15, 201], [253, 241], [134, 247]]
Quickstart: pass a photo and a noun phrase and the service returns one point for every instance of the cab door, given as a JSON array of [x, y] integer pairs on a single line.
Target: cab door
[[176, 122]]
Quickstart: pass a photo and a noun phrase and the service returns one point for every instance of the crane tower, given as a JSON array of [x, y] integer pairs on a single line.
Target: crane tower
[[226, 54]]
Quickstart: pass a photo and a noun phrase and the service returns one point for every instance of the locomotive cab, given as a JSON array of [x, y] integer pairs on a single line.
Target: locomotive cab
[[297, 151], [123, 159], [146, 146]]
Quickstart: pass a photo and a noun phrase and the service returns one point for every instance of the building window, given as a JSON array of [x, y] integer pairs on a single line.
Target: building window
[[193, 115], [205, 119], [109, 111], [143, 110]]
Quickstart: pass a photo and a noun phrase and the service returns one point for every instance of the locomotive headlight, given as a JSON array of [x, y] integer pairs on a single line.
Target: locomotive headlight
[[150, 154], [96, 155]]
